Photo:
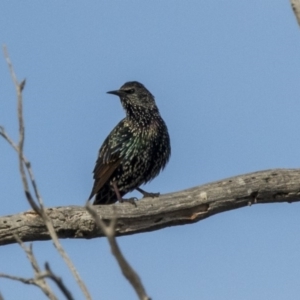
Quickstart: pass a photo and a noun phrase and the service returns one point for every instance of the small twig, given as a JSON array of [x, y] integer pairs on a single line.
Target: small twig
[[31, 281], [57, 280], [26, 162], [10, 66], [64, 255], [127, 270], [39, 279], [40, 282], [19, 148], [29, 171], [19, 88], [1, 297], [39, 209], [17, 278]]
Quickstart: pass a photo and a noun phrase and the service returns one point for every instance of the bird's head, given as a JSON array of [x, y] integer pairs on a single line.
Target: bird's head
[[136, 99]]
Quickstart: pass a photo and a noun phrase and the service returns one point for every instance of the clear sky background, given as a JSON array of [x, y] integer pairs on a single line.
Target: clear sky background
[[226, 77]]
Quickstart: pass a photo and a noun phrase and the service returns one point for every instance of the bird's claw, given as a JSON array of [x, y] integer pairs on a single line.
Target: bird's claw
[[147, 194]]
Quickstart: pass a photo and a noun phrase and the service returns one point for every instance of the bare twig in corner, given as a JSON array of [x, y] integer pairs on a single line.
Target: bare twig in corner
[[39, 276], [127, 270], [58, 281], [38, 208], [32, 281], [65, 256], [296, 8], [40, 282]]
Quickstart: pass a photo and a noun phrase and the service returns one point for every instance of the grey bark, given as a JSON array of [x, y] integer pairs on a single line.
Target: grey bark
[[179, 208]]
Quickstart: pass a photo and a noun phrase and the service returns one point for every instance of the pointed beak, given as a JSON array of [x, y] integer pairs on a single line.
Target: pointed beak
[[117, 92]]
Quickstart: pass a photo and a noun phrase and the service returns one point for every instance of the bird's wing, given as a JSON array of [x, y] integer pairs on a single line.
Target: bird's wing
[[110, 155]]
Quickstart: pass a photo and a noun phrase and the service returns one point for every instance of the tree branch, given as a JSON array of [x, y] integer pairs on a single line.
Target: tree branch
[[184, 207]]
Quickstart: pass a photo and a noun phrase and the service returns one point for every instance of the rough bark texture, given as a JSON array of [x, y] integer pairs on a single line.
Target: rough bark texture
[[184, 207]]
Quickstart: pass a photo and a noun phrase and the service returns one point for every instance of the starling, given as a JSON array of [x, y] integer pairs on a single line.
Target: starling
[[136, 150]]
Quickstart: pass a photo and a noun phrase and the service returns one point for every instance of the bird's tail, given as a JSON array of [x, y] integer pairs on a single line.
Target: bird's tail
[[105, 196]]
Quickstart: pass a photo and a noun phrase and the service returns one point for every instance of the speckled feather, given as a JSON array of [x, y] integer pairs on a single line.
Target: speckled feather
[[136, 150]]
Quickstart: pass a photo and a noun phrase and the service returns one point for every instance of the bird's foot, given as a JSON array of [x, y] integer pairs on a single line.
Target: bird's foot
[[147, 194], [129, 200], [122, 200]]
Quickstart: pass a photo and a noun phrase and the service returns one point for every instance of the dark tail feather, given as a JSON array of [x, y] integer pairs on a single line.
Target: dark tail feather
[[105, 196]]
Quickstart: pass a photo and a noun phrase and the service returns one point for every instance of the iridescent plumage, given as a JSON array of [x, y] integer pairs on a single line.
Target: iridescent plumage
[[136, 150]]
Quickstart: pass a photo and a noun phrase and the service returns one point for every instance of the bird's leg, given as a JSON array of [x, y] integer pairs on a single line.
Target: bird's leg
[[146, 194], [120, 199]]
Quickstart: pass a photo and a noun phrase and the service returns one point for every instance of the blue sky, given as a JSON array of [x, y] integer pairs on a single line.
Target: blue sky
[[226, 78]]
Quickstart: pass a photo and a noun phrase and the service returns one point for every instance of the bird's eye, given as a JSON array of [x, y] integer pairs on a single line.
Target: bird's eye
[[130, 91]]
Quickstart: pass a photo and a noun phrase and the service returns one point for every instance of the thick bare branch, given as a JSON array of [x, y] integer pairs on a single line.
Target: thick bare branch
[[127, 270], [185, 207]]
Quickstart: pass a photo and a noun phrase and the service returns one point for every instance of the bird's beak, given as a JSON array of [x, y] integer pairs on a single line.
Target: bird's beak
[[117, 92]]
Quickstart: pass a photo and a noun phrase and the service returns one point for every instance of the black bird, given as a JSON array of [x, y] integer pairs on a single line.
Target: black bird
[[136, 150]]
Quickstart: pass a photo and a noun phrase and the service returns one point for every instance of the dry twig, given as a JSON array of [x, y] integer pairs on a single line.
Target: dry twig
[[17, 278], [38, 281], [39, 278], [39, 209], [127, 270], [57, 280], [33, 281]]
